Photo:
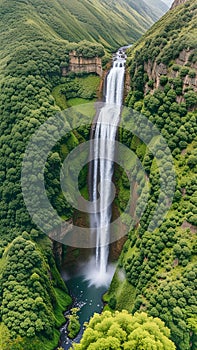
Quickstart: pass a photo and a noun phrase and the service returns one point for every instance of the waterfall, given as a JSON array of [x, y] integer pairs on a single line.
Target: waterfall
[[104, 136]]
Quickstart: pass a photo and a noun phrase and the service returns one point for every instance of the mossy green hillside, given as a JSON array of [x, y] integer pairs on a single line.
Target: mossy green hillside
[[111, 24], [76, 90]]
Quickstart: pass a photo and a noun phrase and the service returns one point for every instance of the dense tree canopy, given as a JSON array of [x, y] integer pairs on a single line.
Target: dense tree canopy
[[160, 264], [121, 330]]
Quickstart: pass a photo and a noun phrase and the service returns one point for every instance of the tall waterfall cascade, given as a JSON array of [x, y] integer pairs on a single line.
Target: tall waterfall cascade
[[104, 151]]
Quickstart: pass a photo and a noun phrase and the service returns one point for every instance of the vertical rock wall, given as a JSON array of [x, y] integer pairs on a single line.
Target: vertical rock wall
[[79, 64]]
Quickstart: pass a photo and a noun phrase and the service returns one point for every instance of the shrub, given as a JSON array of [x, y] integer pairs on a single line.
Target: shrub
[[191, 99], [74, 325], [184, 71], [150, 84], [192, 161], [112, 303], [163, 80], [176, 67], [192, 74]]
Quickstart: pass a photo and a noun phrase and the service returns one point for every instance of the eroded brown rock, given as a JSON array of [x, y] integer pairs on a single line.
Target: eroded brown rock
[[79, 64]]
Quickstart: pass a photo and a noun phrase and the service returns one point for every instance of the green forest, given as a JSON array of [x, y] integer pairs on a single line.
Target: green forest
[[151, 302], [160, 266]]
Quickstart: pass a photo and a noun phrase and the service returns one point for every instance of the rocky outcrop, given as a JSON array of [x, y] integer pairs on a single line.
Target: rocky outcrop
[[127, 84], [155, 71], [57, 252], [79, 64], [177, 3]]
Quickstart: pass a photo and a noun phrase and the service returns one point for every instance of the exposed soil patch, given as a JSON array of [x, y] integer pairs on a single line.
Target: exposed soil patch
[[192, 228]]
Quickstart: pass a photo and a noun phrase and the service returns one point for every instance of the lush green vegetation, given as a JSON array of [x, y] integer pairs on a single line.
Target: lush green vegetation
[[74, 325], [86, 49], [160, 266], [121, 330], [30, 312], [31, 287], [35, 45], [33, 297], [36, 39], [31, 62], [167, 38], [111, 24], [75, 90]]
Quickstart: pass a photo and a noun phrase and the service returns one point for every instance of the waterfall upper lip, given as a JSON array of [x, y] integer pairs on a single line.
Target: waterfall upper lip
[[120, 58]]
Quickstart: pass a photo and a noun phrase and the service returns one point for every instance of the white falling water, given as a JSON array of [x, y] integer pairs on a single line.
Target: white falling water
[[104, 137]]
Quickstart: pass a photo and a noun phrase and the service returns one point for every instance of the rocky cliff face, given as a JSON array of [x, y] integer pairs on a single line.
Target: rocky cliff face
[[127, 85], [78, 64], [155, 71], [167, 57], [177, 3]]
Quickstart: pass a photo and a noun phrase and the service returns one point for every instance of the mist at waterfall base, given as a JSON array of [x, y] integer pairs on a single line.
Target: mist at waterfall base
[[94, 276]]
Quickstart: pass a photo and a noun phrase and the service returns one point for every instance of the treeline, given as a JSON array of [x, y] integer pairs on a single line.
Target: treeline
[[86, 49]]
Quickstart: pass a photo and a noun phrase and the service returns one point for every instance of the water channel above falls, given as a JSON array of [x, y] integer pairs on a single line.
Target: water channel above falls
[[88, 281]]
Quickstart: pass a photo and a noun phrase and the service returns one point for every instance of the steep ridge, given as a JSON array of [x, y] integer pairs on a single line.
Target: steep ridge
[[157, 269], [167, 47], [161, 6], [77, 20]]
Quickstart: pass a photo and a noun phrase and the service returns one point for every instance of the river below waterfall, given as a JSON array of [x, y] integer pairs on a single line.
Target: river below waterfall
[[88, 299]]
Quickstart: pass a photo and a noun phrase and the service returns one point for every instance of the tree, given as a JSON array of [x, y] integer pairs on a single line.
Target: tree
[[74, 324], [121, 330], [191, 99], [192, 160], [163, 80], [112, 303], [152, 103]]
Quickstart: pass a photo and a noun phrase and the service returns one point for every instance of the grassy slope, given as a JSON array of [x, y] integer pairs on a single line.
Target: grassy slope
[[112, 24], [159, 5], [88, 89]]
